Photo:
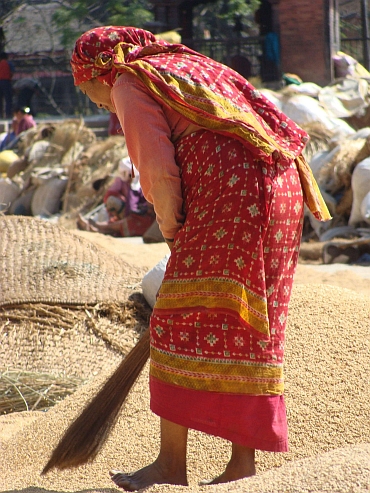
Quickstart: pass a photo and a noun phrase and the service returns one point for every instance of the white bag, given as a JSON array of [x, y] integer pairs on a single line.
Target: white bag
[[153, 279], [360, 187], [303, 109], [365, 208]]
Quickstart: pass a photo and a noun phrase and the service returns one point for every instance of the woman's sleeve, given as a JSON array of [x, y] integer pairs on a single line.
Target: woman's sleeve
[[148, 139]]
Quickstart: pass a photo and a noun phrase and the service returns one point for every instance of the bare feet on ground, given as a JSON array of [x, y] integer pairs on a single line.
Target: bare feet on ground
[[227, 476], [155, 473], [241, 465], [85, 225]]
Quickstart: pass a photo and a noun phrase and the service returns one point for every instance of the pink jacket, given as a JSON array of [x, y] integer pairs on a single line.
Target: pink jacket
[[26, 123], [150, 130]]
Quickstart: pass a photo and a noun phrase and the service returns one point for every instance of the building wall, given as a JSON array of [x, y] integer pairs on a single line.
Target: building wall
[[308, 32], [308, 37]]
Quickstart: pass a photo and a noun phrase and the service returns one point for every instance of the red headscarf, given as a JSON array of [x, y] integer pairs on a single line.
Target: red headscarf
[[94, 50], [204, 91]]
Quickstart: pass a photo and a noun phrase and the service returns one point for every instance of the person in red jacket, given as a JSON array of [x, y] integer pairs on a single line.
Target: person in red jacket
[[6, 93]]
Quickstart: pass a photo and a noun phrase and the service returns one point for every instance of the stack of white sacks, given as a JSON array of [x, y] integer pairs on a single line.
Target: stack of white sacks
[[307, 103]]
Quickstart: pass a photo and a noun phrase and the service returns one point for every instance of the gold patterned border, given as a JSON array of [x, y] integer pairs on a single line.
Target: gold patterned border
[[216, 294], [228, 377]]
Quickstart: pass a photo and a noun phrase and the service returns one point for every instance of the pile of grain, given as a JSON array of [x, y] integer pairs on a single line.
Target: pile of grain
[[327, 369]]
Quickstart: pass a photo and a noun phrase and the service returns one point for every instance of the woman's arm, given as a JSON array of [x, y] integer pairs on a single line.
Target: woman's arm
[[148, 138]]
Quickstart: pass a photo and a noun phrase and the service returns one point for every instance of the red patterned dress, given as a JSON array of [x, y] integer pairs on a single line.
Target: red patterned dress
[[217, 353]]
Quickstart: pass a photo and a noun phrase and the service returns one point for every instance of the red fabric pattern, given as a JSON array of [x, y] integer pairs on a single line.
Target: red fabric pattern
[[243, 226]]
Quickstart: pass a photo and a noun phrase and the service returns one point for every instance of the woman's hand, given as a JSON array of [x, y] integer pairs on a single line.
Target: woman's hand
[[169, 243]]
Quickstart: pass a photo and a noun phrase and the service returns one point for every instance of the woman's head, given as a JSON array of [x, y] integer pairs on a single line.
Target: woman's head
[[20, 111], [94, 53], [98, 93]]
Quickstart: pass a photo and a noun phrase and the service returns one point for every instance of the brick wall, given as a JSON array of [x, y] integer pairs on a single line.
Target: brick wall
[[304, 37]]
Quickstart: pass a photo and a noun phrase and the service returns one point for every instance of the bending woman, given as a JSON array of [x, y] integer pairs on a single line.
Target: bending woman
[[223, 168]]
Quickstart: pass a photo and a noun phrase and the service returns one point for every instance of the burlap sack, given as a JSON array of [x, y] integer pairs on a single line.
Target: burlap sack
[[9, 191]]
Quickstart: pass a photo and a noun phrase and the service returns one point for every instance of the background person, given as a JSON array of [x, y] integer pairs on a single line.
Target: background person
[[24, 91], [129, 213], [223, 169], [6, 91], [9, 138], [23, 120]]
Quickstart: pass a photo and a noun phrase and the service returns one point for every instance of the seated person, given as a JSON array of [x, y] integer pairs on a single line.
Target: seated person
[[129, 213], [9, 137], [23, 120]]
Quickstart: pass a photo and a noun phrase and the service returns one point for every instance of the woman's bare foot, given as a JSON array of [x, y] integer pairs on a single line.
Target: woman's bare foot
[[226, 477], [84, 224], [168, 468], [241, 465], [147, 476]]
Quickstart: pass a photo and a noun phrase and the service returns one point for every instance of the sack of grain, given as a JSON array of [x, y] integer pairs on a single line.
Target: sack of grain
[[6, 159], [21, 206], [47, 198], [9, 191], [303, 109]]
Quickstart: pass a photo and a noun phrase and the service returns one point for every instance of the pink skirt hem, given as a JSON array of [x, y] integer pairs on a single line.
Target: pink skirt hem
[[254, 421]]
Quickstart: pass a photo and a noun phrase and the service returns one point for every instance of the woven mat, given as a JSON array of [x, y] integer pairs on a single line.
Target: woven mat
[[42, 262]]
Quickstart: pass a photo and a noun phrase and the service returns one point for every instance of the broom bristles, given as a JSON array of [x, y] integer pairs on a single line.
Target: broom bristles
[[87, 434]]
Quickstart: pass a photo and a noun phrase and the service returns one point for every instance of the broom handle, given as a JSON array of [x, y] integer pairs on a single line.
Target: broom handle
[[87, 434]]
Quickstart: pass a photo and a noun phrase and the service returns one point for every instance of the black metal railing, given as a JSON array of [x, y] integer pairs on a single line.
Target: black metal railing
[[356, 48], [233, 52]]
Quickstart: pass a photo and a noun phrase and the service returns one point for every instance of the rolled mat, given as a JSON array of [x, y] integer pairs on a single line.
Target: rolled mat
[[43, 262]]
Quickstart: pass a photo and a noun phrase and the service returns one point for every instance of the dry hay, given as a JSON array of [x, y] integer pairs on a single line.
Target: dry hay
[[29, 391], [326, 393], [61, 136], [64, 142], [69, 149], [93, 172], [88, 339], [360, 120], [61, 291], [320, 138], [33, 135], [336, 174]]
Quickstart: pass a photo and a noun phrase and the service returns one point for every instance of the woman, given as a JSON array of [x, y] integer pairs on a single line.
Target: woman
[[129, 213], [223, 168]]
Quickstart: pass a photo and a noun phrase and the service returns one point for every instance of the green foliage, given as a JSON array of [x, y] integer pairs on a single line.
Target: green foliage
[[131, 14], [75, 17], [222, 18]]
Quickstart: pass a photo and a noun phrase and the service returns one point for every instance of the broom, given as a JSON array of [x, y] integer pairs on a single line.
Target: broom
[[87, 434]]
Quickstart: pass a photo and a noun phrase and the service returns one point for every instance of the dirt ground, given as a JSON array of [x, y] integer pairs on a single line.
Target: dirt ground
[[327, 372], [354, 277]]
